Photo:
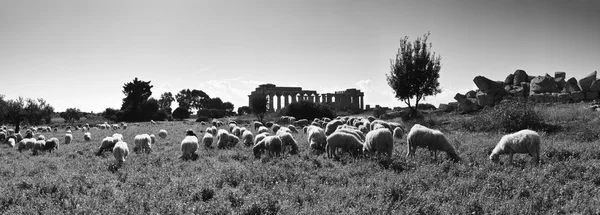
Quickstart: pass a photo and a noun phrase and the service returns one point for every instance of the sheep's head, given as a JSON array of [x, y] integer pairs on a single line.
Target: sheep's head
[[190, 132], [494, 158]]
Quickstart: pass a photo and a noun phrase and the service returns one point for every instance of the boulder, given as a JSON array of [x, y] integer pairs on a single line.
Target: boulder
[[517, 92], [520, 76], [559, 74], [587, 82], [543, 84], [445, 108], [471, 94], [572, 83], [537, 97], [465, 104], [560, 83], [591, 95], [509, 79], [564, 97], [525, 86], [595, 87], [453, 105], [488, 86], [577, 96], [484, 99]]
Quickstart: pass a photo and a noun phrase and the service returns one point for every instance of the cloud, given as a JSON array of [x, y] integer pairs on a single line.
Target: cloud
[[364, 85], [205, 69], [235, 90]]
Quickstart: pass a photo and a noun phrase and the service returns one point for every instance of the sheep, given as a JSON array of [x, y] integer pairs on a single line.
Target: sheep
[[124, 126], [364, 129], [522, 142], [301, 122], [162, 133], [68, 138], [371, 118], [117, 137], [434, 140], [275, 128], [24, 144], [283, 130], [142, 143], [380, 141], [316, 138], [398, 131], [212, 130], [232, 140], [87, 136], [288, 140], [11, 142], [223, 139], [2, 136], [38, 145], [237, 131], [292, 128], [332, 126], [380, 124], [41, 137], [270, 143], [207, 140], [190, 132], [262, 129], [345, 141], [232, 126], [257, 125], [269, 124], [51, 144], [247, 138], [356, 133], [152, 139], [108, 143], [260, 137], [28, 133], [120, 151], [189, 145]]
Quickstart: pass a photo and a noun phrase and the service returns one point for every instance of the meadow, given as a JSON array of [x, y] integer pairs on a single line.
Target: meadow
[[74, 180]]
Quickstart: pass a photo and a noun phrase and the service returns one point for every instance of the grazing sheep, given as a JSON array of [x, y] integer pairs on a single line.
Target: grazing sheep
[[522, 142], [25, 144], [301, 122], [332, 126], [434, 140], [269, 124], [356, 133], [257, 125], [247, 138], [38, 145], [87, 136], [260, 137], [162, 133], [189, 145], [51, 144], [292, 128], [270, 143], [283, 130], [190, 132], [232, 141], [142, 143], [398, 131], [212, 130], [288, 140], [223, 139], [124, 126], [120, 151], [41, 137], [364, 129], [2, 136], [28, 134], [371, 118], [379, 124], [68, 138], [262, 129], [237, 131], [11, 142], [117, 137], [108, 143], [152, 139], [380, 141], [207, 140], [344, 141], [275, 128], [316, 138]]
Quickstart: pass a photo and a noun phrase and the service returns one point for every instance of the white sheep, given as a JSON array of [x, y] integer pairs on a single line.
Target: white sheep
[[434, 140], [11, 142], [142, 143], [257, 125], [247, 138], [189, 145], [342, 140], [332, 126], [51, 144], [68, 138], [270, 143], [232, 140], [380, 141], [292, 128], [262, 129], [237, 131], [522, 142], [356, 133], [260, 137], [152, 139], [275, 128], [87, 136], [316, 138], [25, 144], [222, 139], [379, 124], [207, 140], [38, 146], [288, 140], [120, 151], [162, 133], [117, 137], [283, 130], [398, 132]]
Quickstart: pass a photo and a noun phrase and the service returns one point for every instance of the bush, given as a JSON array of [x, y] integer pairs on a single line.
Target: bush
[[377, 112], [508, 117], [308, 110], [426, 106], [212, 113], [181, 113]]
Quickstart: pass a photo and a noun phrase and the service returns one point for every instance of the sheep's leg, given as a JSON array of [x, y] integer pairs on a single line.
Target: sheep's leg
[[536, 158], [510, 158]]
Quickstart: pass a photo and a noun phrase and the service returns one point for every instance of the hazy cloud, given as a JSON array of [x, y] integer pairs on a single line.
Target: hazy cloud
[[364, 85]]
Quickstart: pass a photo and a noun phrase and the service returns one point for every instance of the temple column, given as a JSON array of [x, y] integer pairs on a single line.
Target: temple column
[[317, 98], [278, 101], [270, 102], [286, 99], [294, 95], [362, 103], [311, 97]]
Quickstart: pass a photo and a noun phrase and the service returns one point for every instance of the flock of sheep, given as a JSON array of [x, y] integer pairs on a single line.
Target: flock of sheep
[[354, 135]]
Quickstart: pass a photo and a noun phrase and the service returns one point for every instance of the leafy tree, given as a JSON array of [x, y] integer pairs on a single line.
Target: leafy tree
[[71, 114], [181, 113], [165, 101], [111, 114], [414, 72], [15, 112], [3, 109], [214, 103], [308, 110], [228, 106], [244, 110], [258, 104], [191, 99], [136, 93], [149, 108]]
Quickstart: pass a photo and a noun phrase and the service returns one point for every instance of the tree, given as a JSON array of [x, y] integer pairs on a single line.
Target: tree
[[228, 106], [415, 72], [71, 114], [111, 114], [181, 113], [191, 99], [244, 110], [165, 101], [214, 103], [15, 112], [258, 104], [136, 93]]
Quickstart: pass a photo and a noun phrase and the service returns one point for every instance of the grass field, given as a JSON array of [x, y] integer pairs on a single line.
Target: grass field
[[74, 180]]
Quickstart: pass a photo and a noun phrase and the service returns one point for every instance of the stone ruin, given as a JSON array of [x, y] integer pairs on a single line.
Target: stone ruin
[[520, 86]]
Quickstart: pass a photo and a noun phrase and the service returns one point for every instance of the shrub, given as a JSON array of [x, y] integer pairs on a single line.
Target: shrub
[[377, 112], [181, 113], [308, 110], [508, 117], [212, 113], [426, 106]]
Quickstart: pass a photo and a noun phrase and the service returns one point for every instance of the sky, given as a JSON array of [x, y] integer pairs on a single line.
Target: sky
[[80, 53]]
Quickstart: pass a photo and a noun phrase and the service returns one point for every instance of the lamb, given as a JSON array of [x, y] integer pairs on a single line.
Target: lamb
[[342, 140], [189, 145], [87, 136], [292, 128], [257, 125], [380, 141], [68, 138], [398, 131], [356, 133], [522, 142], [316, 138], [332, 126], [142, 143], [162, 133], [271, 143], [120, 151], [207, 140], [108, 143], [364, 129], [288, 140], [434, 140], [247, 138], [51, 144], [262, 129]]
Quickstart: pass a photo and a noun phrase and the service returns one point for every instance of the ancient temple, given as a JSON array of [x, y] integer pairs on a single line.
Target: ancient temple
[[279, 97]]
